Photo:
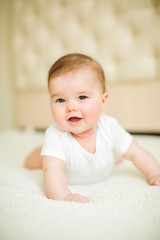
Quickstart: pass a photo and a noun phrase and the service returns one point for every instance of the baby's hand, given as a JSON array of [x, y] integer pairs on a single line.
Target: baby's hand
[[74, 197], [155, 180]]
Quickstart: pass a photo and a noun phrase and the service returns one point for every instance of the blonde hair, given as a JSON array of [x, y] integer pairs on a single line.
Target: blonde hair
[[75, 61]]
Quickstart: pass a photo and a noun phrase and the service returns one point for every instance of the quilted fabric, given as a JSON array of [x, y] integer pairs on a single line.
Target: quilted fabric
[[122, 35]]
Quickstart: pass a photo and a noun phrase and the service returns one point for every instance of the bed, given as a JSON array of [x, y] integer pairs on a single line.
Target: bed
[[36, 33], [123, 206]]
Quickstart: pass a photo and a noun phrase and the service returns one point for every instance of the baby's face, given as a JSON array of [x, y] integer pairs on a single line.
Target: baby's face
[[76, 100]]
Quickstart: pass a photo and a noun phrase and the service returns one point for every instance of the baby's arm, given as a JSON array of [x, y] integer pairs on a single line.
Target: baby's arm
[[145, 162], [55, 181]]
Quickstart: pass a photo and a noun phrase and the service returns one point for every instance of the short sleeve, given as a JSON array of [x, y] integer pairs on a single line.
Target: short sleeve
[[121, 139], [53, 143]]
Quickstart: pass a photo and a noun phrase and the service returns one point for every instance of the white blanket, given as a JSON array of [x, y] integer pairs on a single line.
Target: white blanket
[[122, 207]]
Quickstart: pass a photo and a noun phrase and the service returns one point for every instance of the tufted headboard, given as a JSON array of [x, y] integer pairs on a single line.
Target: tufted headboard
[[123, 35]]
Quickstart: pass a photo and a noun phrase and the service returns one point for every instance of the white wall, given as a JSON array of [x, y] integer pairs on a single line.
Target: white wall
[[6, 75]]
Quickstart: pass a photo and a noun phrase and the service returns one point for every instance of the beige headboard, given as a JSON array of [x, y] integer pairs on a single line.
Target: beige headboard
[[136, 106], [122, 35]]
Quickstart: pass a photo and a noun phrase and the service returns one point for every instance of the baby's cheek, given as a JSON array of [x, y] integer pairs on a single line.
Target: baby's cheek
[[58, 116], [93, 111]]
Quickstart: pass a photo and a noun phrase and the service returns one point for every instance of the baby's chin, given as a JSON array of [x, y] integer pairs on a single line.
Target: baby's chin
[[76, 130], [70, 129]]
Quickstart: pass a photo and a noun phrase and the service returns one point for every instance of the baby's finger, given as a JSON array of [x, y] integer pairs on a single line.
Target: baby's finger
[[80, 198], [155, 181], [84, 199], [76, 198]]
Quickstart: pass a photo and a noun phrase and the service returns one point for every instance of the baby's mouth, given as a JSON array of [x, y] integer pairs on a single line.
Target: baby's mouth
[[74, 119]]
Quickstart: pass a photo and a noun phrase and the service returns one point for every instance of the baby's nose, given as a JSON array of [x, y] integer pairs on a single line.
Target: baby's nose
[[71, 108]]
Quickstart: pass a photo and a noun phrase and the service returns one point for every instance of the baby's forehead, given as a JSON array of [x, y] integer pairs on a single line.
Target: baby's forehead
[[83, 68], [74, 71], [81, 80], [85, 73]]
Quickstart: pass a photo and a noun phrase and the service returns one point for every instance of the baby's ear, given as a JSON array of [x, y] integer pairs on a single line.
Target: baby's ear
[[104, 98]]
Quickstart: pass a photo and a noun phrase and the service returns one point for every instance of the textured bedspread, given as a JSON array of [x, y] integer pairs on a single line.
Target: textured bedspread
[[124, 207]]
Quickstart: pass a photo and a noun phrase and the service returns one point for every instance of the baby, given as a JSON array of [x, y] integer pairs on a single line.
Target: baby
[[82, 146]]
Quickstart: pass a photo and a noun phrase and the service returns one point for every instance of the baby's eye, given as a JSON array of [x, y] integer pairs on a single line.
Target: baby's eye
[[60, 100], [82, 97]]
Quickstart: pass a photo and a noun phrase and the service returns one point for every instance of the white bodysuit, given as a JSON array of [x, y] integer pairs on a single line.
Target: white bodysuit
[[83, 167]]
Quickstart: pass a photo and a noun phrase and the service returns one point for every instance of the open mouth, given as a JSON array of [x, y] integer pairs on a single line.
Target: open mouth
[[74, 119]]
